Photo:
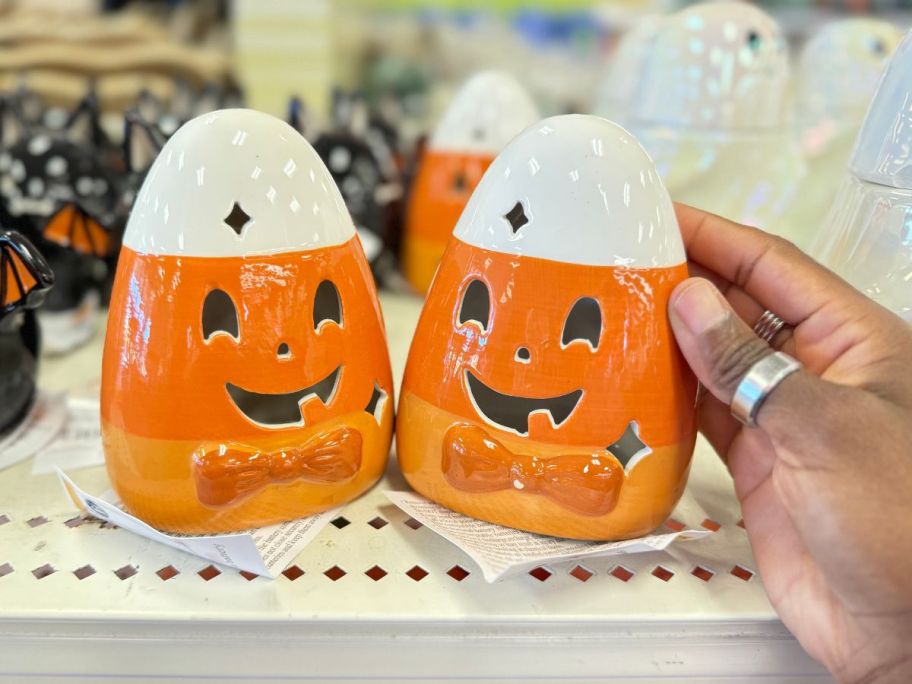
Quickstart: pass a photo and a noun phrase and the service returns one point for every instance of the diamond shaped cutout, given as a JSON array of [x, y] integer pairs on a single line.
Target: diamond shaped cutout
[[4, 519], [516, 217], [126, 572], [376, 573], [249, 576], [44, 571], [417, 573], [582, 573], [209, 572], [702, 573], [6, 569], [83, 572], [237, 219], [662, 573], [36, 521], [458, 573], [335, 573], [541, 574], [711, 525], [167, 573], [340, 522], [742, 573], [414, 524], [378, 523], [293, 573], [622, 573]]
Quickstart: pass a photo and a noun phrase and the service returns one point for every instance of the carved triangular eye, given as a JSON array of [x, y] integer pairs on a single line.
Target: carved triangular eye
[[219, 315], [476, 304], [237, 218], [584, 322], [516, 217]]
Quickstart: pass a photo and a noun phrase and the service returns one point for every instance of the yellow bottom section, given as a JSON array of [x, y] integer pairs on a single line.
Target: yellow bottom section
[[649, 493], [419, 261], [154, 480]]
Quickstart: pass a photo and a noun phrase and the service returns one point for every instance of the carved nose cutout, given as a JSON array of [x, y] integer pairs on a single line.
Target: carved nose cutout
[[522, 355], [283, 352]]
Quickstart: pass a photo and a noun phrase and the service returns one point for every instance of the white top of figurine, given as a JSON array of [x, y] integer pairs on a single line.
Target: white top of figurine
[[486, 113], [883, 150], [576, 189], [237, 182], [841, 66], [625, 68], [715, 65]]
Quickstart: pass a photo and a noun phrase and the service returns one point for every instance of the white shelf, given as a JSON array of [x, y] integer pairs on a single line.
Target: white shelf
[[357, 628]]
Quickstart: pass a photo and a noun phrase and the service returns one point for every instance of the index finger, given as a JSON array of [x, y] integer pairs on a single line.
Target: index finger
[[771, 270]]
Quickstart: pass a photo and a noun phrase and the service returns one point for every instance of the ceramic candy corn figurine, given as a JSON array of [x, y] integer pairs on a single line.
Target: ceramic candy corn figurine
[[867, 237], [486, 113], [837, 75], [246, 378], [25, 278], [711, 111], [544, 389]]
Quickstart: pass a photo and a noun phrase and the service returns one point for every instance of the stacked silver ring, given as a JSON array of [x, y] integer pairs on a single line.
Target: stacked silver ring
[[759, 382], [768, 326]]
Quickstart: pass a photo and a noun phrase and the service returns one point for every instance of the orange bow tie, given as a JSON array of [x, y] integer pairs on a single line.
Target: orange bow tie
[[585, 484], [229, 473]]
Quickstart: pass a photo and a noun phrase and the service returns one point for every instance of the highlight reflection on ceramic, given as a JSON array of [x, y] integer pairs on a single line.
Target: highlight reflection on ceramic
[[485, 114], [246, 378], [543, 389], [711, 112]]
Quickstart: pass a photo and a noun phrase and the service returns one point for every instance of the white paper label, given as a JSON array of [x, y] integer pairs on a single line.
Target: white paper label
[[502, 551], [42, 424], [265, 551], [78, 444]]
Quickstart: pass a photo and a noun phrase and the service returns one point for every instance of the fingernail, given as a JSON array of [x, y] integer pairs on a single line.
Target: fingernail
[[699, 305]]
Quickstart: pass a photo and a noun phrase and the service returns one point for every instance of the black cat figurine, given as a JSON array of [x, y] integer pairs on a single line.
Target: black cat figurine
[[25, 279]]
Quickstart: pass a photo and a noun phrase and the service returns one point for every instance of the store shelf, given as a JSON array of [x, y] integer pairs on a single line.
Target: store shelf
[[375, 601]]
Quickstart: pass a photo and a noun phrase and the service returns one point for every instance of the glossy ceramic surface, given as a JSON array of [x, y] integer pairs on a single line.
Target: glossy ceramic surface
[[486, 113], [246, 378], [715, 65], [25, 279], [711, 113], [543, 388]]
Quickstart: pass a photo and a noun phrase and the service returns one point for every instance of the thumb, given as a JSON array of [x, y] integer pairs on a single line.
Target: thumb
[[717, 344]]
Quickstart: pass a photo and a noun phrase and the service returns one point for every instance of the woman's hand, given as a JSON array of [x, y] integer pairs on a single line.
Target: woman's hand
[[825, 480]]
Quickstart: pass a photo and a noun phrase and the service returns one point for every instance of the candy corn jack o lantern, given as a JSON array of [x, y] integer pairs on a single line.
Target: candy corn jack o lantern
[[246, 378], [544, 390], [486, 113]]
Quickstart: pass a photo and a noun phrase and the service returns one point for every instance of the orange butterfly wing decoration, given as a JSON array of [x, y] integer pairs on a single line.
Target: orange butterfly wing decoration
[[25, 276], [72, 227]]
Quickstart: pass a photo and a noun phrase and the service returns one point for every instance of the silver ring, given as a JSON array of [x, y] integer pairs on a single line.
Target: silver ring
[[768, 326], [758, 383]]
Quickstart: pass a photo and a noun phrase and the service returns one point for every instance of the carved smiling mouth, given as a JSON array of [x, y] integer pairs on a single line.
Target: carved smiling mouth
[[512, 413], [282, 410]]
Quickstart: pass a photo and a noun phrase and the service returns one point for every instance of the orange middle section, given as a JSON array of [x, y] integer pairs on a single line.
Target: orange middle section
[[164, 386]]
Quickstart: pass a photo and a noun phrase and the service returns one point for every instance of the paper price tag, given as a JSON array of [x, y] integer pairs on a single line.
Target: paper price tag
[[502, 551], [265, 551]]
